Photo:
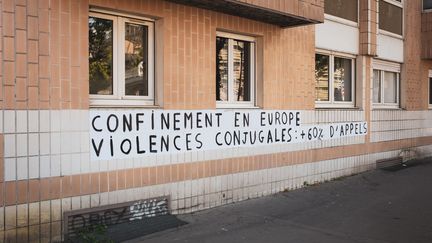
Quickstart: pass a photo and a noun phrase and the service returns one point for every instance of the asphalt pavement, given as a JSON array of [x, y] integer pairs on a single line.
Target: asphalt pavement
[[376, 206]]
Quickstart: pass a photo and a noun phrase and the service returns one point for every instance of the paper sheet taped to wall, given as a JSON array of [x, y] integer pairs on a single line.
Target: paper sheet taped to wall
[[118, 134]]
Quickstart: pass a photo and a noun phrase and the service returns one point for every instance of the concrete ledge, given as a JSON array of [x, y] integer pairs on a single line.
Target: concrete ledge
[[251, 11]]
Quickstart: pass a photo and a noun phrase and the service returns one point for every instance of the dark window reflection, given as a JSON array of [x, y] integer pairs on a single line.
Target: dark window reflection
[[376, 86], [390, 87], [427, 4], [241, 58], [221, 69], [136, 60], [347, 9], [430, 91], [342, 79], [100, 56], [390, 17], [322, 77]]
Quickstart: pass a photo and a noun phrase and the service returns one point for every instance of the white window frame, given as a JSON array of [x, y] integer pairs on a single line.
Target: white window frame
[[338, 104], [231, 103], [384, 66], [388, 33], [429, 94], [119, 98]]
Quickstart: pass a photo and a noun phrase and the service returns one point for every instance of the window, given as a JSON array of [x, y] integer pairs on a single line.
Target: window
[[235, 70], [334, 80], [427, 4], [430, 88], [386, 83], [121, 70], [346, 9], [391, 16]]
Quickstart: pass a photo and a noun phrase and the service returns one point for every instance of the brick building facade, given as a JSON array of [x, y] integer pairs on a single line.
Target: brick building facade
[[334, 65]]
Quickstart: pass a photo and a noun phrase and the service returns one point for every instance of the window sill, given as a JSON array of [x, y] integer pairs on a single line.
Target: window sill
[[236, 106], [122, 104], [349, 106], [154, 107], [338, 108], [381, 107], [390, 34], [341, 20]]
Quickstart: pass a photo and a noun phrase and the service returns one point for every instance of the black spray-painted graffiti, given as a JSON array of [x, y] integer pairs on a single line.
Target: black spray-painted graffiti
[[75, 221], [107, 217]]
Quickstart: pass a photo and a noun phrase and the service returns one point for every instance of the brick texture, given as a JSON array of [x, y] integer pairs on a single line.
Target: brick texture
[[40, 53], [414, 83], [189, 55], [44, 57], [368, 27]]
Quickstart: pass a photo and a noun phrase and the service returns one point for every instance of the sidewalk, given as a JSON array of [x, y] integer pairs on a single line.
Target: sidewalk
[[378, 206]]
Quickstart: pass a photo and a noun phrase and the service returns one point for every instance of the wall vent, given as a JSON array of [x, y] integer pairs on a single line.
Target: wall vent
[[390, 162]]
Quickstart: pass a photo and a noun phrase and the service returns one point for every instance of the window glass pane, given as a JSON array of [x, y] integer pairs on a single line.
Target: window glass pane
[[241, 59], [221, 69], [427, 4], [430, 91], [346, 9], [100, 56], [342, 79], [322, 77], [390, 17], [390, 87], [136, 60], [376, 87]]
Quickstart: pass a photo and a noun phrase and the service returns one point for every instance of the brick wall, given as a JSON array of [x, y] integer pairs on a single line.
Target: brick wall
[[49, 67], [45, 47], [45, 103], [414, 71], [368, 27], [189, 55]]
